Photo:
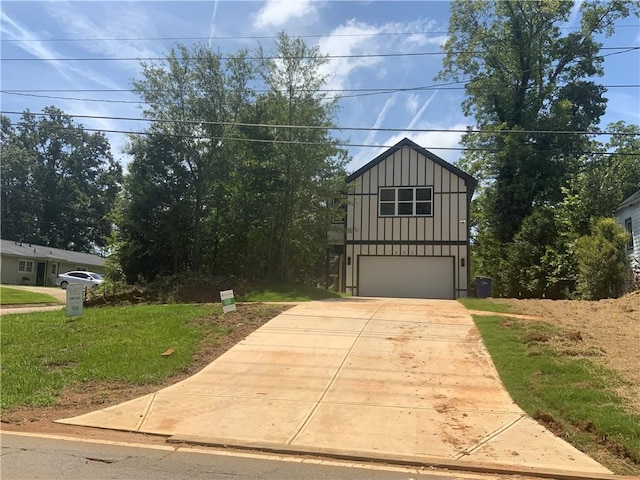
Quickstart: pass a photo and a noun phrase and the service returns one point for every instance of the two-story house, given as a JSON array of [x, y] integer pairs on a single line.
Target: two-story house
[[407, 227]]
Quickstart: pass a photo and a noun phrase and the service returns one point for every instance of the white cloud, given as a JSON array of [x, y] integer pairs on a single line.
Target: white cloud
[[359, 38], [412, 103], [277, 13], [120, 23], [13, 30]]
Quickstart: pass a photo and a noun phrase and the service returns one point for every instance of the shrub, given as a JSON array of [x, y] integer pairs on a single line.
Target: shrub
[[603, 265]]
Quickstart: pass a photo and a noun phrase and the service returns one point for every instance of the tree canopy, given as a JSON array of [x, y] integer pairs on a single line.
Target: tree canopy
[[59, 182], [228, 180]]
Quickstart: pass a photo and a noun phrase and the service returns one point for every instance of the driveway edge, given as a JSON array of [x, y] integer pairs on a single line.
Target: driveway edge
[[404, 460]]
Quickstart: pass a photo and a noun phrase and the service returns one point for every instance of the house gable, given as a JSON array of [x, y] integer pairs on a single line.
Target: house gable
[[405, 142]]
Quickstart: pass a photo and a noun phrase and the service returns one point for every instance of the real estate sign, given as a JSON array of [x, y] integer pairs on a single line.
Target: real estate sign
[[75, 299], [228, 301]]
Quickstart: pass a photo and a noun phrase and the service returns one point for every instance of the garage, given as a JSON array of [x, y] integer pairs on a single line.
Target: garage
[[406, 277]]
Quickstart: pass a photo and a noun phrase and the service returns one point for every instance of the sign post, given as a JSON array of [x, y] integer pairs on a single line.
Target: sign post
[[228, 301], [75, 299]]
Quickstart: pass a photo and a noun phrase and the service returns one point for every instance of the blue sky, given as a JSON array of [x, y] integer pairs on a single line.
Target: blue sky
[[109, 30]]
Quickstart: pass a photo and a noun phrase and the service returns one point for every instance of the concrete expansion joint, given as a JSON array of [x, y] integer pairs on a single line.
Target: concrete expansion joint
[[146, 413], [489, 437], [306, 421]]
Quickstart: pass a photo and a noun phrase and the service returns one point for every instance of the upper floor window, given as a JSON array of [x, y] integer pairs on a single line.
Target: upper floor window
[[629, 228], [405, 201]]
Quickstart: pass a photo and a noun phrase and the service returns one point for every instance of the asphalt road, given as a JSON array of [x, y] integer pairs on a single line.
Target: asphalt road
[[34, 457]]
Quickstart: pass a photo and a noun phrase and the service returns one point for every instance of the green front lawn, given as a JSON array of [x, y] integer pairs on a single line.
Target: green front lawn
[[45, 351], [14, 296], [568, 392], [485, 305]]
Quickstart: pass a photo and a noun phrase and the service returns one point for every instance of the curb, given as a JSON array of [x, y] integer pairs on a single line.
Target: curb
[[30, 305], [404, 460]]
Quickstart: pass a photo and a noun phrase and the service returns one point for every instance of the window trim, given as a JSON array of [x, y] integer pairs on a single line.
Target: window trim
[[628, 226], [24, 267], [396, 201]]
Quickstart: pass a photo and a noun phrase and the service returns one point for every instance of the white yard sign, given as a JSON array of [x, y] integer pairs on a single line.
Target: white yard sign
[[228, 302], [75, 299]]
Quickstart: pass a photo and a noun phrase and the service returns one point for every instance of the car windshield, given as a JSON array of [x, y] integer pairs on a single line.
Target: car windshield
[[96, 276]]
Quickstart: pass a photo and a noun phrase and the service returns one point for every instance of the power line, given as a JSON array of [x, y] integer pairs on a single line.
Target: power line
[[249, 37], [624, 49], [335, 143], [365, 92], [322, 90], [200, 123]]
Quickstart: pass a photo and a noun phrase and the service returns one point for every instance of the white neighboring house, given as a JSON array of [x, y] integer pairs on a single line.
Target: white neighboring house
[[24, 263], [406, 231], [628, 215]]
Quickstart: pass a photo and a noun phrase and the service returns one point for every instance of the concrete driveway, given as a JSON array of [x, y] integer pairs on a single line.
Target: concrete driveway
[[393, 379]]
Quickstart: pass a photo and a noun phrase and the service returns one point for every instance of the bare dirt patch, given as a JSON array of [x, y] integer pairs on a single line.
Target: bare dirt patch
[[79, 398], [607, 331]]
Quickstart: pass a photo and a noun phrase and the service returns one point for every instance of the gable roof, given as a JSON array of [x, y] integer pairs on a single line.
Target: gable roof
[[635, 198], [405, 142], [40, 252]]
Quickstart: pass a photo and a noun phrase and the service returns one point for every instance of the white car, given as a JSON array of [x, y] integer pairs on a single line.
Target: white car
[[88, 279]]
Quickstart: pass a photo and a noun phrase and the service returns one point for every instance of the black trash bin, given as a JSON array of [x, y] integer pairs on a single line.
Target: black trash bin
[[484, 286]]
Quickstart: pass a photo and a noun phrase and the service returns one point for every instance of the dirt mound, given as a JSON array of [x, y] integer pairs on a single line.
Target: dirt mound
[[175, 289]]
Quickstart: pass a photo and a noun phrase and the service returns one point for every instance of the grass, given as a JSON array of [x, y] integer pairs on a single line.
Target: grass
[[571, 395], [45, 351], [284, 292], [485, 305], [14, 296]]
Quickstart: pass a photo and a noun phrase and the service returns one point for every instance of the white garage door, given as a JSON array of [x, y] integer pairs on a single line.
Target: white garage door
[[406, 277]]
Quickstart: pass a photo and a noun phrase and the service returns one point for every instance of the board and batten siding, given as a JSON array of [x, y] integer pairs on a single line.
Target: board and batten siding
[[443, 234]]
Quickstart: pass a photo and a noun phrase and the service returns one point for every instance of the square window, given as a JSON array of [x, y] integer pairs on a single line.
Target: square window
[[387, 209], [387, 194], [405, 194], [405, 208], [423, 194], [423, 208]]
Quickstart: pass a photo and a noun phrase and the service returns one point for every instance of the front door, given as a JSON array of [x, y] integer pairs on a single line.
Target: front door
[[42, 267]]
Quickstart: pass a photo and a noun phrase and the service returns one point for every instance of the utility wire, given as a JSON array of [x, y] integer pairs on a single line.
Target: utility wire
[[334, 143], [201, 123], [301, 57], [249, 37]]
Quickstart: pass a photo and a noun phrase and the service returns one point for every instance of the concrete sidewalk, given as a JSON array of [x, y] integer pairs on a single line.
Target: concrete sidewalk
[[396, 379]]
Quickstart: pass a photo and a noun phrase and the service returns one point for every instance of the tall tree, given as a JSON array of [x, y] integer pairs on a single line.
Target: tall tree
[[185, 97], [307, 164], [526, 80], [59, 182]]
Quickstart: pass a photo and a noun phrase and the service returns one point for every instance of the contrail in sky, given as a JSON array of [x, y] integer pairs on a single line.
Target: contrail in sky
[[212, 28]]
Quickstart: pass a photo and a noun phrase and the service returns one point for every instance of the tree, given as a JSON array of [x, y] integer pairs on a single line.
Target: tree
[[527, 80], [223, 182], [308, 167], [59, 182], [603, 180], [602, 261]]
